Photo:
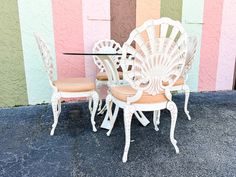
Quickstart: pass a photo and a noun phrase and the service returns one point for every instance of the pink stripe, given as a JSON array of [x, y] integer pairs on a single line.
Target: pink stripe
[[68, 34], [227, 54], [210, 44], [96, 23]]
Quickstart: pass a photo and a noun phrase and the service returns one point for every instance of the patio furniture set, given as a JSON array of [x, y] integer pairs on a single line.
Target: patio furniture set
[[140, 76]]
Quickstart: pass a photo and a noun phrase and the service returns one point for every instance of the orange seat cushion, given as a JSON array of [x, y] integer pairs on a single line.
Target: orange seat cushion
[[102, 76], [122, 92], [74, 85], [180, 81]]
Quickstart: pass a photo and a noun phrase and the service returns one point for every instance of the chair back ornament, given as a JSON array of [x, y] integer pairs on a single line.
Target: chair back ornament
[[46, 57], [154, 56], [107, 46], [192, 48], [108, 63]]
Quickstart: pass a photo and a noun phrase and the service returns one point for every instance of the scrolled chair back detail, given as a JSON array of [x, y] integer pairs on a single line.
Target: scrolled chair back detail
[[46, 57], [192, 43], [154, 55], [107, 46]]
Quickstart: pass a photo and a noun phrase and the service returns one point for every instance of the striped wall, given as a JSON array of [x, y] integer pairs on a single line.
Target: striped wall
[[74, 25]]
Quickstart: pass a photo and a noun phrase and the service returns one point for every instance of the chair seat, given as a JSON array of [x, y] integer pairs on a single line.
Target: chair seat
[[74, 85], [102, 76], [179, 82], [123, 92]]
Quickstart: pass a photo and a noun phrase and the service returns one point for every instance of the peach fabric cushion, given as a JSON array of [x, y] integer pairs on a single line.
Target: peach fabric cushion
[[74, 85], [122, 92], [102, 76], [180, 81]]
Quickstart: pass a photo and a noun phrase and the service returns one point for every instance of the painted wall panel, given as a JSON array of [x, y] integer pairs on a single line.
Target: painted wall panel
[[12, 76], [123, 19], [36, 17], [210, 44], [172, 9], [192, 18], [68, 32], [147, 10], [96, 26], [227, 51]]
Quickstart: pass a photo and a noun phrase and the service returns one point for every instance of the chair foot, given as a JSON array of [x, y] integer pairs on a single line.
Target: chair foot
[[187, 113], [52, 131], [156, 119], [187, 93], [108, 133], [125, 156], [174, 142]]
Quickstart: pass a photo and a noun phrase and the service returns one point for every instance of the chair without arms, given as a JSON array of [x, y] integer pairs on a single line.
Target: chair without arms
[[66, 88]]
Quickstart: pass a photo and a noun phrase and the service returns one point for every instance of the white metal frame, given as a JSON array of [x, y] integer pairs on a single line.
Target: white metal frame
[[155, 60], [57, 96]]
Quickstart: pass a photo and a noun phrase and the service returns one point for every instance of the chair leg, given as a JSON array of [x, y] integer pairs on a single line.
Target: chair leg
[[155, 120], [90, 105], [100, 105], [102, 110], [95, 98], [128, 112], [56, 109], [112, 119], [158, 117], [187, 92], [171, 106]]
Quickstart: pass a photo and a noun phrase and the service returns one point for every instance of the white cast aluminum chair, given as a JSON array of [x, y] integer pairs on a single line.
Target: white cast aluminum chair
[[151, 68], [181, 82], [108, 65], [106, 46], [66, 88]]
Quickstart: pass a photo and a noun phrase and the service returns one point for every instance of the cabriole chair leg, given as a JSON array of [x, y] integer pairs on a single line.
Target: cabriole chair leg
[[111, 116], [56, 109], [100, 105], [95, 99], [171, 106], [128, 113], [187, 93]]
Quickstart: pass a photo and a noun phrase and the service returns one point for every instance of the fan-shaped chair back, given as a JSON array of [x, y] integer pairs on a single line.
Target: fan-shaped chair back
[[46, 57], [154, 55], [192, 47], [108, 63]]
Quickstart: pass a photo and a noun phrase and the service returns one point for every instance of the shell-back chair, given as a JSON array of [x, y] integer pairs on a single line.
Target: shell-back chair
[[151, 63], [106, 46], [66, 88], [108, 65], [181, 83]]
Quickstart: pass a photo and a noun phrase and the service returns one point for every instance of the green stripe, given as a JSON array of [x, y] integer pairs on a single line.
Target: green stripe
[[172, 9], [12, 76]]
